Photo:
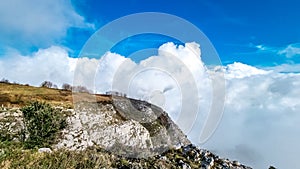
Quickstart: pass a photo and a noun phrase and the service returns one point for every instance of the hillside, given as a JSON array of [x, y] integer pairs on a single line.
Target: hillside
[[17, 95], [100, 132]]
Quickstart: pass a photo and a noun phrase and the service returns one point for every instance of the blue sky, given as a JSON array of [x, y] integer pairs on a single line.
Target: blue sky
[[260, 33], [252, 32]]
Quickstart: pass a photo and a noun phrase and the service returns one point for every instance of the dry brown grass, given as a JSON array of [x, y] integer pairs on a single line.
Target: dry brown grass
[[16, 95]]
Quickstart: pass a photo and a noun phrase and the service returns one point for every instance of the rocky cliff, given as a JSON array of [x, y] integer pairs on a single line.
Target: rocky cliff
[[126, 127], [135, 133]]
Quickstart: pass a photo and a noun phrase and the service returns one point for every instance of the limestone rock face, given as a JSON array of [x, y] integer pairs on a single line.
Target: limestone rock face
[[11, 123], [126, 127], [123, 126]]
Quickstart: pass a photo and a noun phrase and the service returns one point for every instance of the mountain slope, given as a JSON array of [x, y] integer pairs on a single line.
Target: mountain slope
[[129, 133]]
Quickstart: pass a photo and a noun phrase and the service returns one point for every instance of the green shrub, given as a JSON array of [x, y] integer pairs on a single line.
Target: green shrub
[[42, 124]]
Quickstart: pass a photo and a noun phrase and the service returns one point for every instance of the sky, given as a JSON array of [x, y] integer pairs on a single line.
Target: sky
[[253, 32], [257, 42], [261, 33]]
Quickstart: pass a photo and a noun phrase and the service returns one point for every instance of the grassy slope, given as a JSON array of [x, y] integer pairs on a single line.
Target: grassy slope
[[15, 95]]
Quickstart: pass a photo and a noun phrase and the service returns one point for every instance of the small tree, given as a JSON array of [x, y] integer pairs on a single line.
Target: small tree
[[66, 86], [42, 123], [4, 80], [47, 84], [54, 86], [81, 89]]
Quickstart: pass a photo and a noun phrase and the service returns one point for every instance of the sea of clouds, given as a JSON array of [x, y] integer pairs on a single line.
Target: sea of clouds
[[259, 126]]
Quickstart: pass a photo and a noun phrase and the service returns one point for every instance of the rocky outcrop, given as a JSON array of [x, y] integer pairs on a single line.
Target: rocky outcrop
[[187, 157], [133, 133], [123, 126], [11, 123]]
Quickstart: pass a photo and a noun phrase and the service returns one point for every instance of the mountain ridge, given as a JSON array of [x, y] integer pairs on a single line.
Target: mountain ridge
[[135, 131]]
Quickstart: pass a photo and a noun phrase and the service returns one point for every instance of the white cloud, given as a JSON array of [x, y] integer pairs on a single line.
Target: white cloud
[[260, 121], [175, 70], [52, 64], [37, 23], [285, 68], [240, 70], [291, 50], [265, 49], [261, 47], [261, 117]]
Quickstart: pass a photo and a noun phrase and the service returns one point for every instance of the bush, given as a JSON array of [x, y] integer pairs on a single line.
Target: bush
[[42, 124]]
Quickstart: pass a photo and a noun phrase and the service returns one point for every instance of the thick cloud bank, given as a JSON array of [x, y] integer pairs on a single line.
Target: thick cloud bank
[[261, 118], [260, 123]]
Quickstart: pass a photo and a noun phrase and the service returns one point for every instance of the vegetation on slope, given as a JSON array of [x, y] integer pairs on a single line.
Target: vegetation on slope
[[16, 95], [41, 124]]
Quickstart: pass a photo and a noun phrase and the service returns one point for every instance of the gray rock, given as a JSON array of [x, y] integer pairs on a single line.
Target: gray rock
[[44, 150], [125, 127]]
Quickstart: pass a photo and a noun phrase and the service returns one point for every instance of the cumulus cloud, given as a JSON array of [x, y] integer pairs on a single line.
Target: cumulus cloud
[[240, 70], [261, 116], [52, 64], [36, 23], [171, 77]]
